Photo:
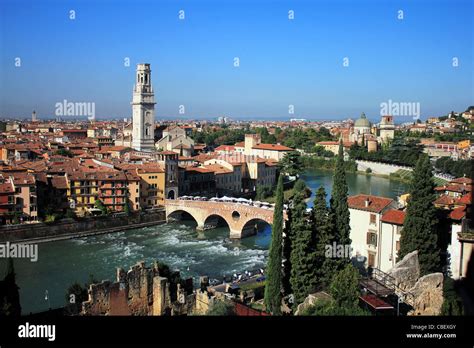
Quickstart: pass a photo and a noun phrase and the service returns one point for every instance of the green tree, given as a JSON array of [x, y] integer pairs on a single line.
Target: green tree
[[301, 187], [452, 303], [419, 230], [344, 287], [263, 191], [330, 308], [99, 205], [291, 163], [9, 294], [273, 285], [76, 294], [126, 208], [221, 308], [303, 277], [287, 238], [339, 206], [324, 235], [64, 152]]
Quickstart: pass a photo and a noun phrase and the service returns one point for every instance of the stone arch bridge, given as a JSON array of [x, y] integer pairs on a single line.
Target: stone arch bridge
[[241, 218]]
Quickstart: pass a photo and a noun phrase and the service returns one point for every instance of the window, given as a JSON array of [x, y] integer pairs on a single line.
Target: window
[[372, 238], [373, 219], [397, 246]]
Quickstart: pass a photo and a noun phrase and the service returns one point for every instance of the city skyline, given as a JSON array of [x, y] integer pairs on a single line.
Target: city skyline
[[281, 54]]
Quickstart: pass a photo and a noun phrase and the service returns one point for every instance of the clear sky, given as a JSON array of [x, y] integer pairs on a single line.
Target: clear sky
[[282, 62]]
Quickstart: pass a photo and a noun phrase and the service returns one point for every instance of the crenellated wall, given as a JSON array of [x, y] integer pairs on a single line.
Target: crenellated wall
[[140, 291]]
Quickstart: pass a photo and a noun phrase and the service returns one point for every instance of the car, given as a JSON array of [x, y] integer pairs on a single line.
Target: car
[[260, 279]]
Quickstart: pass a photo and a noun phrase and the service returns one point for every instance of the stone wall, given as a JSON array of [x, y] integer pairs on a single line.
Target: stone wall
[[72, 228], [379, 168], [426, 293], [140, 291]]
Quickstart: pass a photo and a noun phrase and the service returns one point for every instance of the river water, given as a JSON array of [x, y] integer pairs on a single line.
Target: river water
[[178, 244]]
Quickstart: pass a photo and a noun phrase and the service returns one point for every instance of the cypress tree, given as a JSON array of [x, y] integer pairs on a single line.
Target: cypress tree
[[273, 284], [323, 235], [287, 238], [419, 230], [9, 294], [303, 277], [339, 206]]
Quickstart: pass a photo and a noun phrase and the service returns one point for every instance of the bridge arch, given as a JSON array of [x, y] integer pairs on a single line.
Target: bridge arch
[[215, 220], [241, 218], [256, 221], [181, 214]]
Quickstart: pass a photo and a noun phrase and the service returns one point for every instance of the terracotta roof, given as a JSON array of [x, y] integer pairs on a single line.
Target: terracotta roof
[[167, 153], [218, 169], [22, 178], [240, 144], [272, 147], [467, 181], [375, 204], [198, 169], [225, 148], [205, 157], [103, 176], [466, 199], [446, 200], [59, 182], [458, 213], [455, 188], [149, 169], [113, 148], [393, 216]]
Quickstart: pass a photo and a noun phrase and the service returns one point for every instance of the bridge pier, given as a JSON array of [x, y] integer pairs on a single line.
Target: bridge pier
[[235, 234]]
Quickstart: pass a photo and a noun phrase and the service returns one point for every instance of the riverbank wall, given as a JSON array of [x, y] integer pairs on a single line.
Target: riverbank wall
[[387, 169], [69, 228], [380, 168]]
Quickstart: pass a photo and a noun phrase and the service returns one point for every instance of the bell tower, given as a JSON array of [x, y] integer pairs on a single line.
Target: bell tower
[[143, 110]]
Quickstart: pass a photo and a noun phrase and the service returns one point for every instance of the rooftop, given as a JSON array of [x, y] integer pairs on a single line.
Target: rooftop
[[370, 203]]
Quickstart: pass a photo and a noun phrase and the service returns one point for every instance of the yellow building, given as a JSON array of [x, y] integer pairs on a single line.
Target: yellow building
[[84, 188], [464, 144], [152, 185]]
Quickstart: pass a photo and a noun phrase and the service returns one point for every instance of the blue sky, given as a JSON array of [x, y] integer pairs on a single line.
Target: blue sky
[[282, 62]]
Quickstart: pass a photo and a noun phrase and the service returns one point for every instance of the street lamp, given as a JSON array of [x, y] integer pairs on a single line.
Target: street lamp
[[399, 300]]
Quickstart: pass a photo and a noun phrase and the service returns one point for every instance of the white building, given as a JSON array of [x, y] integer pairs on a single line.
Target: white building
[[392, 226], [366, 228], [252, 146], [143, 108]]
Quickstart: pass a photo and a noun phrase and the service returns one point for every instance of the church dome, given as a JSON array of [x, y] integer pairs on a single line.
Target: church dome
[[362, 122]]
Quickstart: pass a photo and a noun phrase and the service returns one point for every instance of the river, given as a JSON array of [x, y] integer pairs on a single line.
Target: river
[[211, 253]]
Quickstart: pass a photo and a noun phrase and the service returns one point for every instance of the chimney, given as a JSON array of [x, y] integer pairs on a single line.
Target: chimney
[[367, 202]]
